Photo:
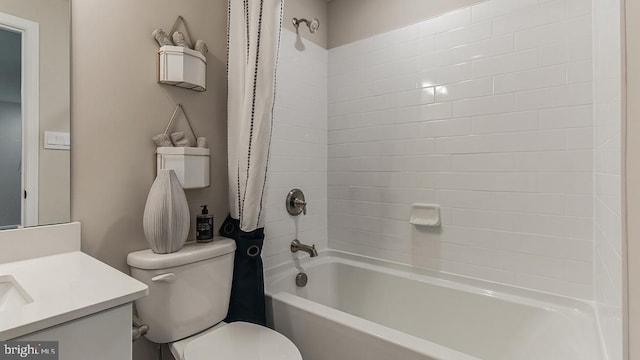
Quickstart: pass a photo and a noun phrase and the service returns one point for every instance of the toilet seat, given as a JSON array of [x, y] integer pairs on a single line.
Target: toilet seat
[[241, 341]]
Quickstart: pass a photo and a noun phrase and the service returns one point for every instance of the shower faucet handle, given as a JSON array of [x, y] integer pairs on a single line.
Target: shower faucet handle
[[296, 203], [301, 203]]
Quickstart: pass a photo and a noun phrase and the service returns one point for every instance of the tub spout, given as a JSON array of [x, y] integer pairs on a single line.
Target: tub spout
[[296, 246]]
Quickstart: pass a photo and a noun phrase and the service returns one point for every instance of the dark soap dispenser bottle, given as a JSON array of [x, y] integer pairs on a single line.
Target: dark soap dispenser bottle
[[204, 226]]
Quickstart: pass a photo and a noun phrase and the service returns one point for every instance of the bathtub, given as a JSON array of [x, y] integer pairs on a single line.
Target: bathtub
[[360, 308]]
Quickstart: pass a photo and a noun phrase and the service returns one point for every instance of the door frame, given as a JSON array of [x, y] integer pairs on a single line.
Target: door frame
[[30, 106]]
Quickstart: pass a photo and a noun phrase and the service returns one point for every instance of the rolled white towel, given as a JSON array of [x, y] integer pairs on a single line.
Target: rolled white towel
[[179, 40], [161, 37], [202, 142], [162, 140], [181, 140], [201, 47]]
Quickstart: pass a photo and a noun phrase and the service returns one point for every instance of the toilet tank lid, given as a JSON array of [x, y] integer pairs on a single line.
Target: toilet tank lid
[[190, 253]]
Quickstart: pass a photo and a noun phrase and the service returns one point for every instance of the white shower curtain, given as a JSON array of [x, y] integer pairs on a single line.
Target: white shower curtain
[[252, 55], [254, 28]]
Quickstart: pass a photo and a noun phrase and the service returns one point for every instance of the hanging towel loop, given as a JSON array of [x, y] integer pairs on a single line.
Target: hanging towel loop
[[179, 20], [173, 116]]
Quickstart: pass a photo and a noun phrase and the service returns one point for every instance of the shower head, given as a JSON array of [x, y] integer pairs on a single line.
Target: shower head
[[313, 24]]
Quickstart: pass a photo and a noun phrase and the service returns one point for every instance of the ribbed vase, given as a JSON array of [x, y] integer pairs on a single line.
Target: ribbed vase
[[166, 218]]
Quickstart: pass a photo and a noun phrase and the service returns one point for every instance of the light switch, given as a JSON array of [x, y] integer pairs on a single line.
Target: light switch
[[57, 140]]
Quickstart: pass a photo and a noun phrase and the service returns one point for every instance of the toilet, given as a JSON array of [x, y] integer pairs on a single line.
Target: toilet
[[188, 298]]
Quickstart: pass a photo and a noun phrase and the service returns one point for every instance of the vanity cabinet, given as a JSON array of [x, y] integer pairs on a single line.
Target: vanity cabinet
[[55, 292], [102, 336]]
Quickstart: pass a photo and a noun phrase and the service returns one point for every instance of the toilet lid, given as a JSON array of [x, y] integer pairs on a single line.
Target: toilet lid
[[242, 341]]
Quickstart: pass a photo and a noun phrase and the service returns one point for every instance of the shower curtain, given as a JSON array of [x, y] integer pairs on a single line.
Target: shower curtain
[[253, 40]]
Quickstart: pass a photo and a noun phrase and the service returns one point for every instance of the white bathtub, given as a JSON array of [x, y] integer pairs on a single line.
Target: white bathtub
[[361, 308]]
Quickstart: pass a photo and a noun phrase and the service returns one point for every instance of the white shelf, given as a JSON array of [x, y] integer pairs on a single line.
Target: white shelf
[[183, 67], [191, 165]]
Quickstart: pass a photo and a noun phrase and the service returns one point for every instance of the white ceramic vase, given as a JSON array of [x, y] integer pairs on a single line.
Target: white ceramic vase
[[166, 217]]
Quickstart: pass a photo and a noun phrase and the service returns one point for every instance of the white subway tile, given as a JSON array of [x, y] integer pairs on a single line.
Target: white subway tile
[[435, 111], [482, 219], [570, 95], [484, 162], [435, 59], [564, 52], [374, 133], [572, 227], [566, 183], [555, 161], [407, 50], [464, 90], [580, 139], [477, 256], [481, 49], [400, 99], [463, 144], [542, 14], [506, 149], [508, 122], [485, 105], [383, 148], [446, 22], [446, 75], [541, 245], [539, 265], [502, 201], [566, 117], [371, 209], [350, 92], [579, 206], [505, 64], [551, 33], [442, 128], [531, 79], [580, 272], [464, 35], [480, 181], [580, 72], [349, 78], [578, 7], [529, 141], [401, 83], [414, 180], [494, 8], [396, 68]]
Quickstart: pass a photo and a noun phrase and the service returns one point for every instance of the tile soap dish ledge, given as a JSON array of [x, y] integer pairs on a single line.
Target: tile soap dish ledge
[[425, 215]]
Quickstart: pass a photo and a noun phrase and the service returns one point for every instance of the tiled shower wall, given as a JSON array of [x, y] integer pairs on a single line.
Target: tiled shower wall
[[486, 111], [608, 223], [298, 149]]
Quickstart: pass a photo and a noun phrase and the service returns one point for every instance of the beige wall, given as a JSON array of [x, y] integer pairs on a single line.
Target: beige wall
[[53, 17], [118, 106], [307, 9], [633, 176], [352, 20]]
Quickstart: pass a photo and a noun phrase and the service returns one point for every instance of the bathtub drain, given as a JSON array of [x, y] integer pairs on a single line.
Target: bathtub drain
[[301, 279]]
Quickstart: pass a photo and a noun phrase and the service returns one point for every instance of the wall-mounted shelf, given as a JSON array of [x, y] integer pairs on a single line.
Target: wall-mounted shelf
[[191, 165], [183, 67]]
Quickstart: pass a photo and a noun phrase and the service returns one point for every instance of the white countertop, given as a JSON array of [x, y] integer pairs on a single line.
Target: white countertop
[[64, 287]]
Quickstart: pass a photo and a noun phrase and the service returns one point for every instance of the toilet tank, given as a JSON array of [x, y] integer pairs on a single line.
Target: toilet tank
[[189, 290]]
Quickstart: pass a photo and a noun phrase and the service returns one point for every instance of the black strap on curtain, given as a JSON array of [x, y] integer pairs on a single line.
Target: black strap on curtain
[[247, 290]]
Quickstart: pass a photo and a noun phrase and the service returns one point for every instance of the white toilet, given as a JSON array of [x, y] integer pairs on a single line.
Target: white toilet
[[188, 299]]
